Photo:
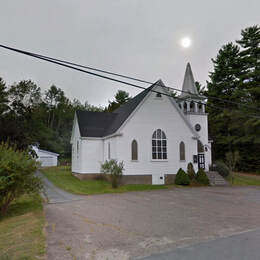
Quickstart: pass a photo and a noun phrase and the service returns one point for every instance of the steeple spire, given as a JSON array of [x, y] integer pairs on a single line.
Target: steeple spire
[[188, 82]]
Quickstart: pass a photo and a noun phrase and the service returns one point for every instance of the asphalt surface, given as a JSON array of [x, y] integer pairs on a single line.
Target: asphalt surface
[[236, 247], [180, 223], [55, 195]]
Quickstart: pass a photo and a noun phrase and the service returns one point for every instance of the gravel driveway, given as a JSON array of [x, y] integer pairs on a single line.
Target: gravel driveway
[[138, 224]]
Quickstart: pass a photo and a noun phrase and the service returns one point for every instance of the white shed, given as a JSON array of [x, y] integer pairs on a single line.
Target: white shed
[[46, 158]]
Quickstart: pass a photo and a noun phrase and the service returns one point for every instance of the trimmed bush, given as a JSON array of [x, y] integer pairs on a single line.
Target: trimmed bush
[[222, 169], [182, 178], [202, 177], [114, 171], [190, 171]]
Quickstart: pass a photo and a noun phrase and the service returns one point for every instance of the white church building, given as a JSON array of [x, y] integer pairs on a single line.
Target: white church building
[[153, 134]]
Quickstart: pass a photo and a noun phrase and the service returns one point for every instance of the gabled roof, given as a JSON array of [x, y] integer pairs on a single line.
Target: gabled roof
[[100, 124]]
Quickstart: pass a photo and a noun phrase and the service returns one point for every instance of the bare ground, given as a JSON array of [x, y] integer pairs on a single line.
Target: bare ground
[[137, 224]]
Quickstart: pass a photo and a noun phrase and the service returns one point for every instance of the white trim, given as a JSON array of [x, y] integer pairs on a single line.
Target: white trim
[[51, 153], [73, 128], [101, 138], [196, 113], [159, 160]]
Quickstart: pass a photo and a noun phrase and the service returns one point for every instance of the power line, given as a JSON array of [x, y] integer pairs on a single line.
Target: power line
[[123, 76], [105, 77]]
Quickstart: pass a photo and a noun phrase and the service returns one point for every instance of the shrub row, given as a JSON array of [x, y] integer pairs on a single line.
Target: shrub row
[[183, 178]]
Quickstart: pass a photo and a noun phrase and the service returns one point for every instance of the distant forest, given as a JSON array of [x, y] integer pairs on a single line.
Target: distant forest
[[28, 116]]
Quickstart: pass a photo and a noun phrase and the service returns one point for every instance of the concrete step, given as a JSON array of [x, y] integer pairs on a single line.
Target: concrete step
[[215, 179]]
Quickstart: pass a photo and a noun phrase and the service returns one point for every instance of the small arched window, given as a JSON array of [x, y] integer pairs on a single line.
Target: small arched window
[[134, 148], [108, 152], [182, 151], [158, 95], [77, 149], [159, 145]]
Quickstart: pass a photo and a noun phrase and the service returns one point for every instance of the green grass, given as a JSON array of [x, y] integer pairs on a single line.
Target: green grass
[[62, 178], [245, 180], [21, 230]]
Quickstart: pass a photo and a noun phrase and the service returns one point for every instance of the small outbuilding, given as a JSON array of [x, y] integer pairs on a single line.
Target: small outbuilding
[[46, 158]]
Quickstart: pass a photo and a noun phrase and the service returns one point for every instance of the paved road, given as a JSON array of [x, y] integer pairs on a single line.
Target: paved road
[[54, 194], [186, 222], [243, 246]]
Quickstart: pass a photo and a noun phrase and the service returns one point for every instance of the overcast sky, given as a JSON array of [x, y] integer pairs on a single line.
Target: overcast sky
[[135, 37]]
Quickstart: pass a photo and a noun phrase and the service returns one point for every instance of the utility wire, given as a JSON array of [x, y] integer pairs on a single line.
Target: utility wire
[[124, 76], [105, 77]]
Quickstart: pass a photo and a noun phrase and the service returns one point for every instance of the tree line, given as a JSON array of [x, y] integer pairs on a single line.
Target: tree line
[[29, 116], [236, 78]]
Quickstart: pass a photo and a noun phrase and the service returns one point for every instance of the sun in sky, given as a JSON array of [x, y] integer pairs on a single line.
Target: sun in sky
[[185, 42]]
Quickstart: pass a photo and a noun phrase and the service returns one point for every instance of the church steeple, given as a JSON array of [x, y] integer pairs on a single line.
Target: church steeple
[[190, 100], [188, 83]]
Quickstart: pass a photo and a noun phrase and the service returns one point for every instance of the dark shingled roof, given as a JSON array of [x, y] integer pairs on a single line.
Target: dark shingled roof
[[100, 124], [94, 124]]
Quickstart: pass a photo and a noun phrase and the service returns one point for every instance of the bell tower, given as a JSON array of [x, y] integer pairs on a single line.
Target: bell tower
[[193, 106]]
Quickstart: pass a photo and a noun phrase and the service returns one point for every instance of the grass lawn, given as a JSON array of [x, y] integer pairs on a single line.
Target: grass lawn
[[245, 180], [21, 230], [62, 178]]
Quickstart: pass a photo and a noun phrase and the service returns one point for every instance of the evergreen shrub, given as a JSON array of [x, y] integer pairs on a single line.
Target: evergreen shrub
[[222, 169], [182, 178], [190, 171], [202, 177]]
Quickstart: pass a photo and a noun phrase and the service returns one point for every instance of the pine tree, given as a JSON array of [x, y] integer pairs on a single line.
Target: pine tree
[[223, 84], [250, 87], [250, 58], [236, 78], [3, 97]]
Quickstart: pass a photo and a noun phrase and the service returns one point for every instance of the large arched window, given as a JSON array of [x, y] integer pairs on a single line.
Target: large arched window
[[134, 148], [182, 151], [159, 145]]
